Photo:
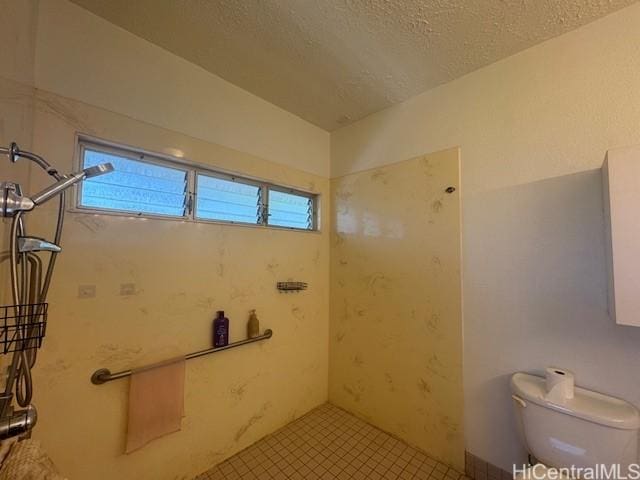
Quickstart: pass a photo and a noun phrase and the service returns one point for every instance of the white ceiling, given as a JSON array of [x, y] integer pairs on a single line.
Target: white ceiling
[[333, 62]]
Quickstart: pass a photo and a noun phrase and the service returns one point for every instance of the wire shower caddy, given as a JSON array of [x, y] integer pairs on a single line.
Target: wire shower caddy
[[22, 327]]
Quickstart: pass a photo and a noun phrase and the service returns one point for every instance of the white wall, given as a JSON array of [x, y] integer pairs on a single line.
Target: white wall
[[17, 37], [532, 129], [83, 57]]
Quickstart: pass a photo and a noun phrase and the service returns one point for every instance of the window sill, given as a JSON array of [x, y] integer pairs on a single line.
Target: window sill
[[146, 216]]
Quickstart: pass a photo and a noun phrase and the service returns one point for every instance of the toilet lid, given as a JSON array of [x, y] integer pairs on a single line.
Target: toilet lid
[[539, 472]]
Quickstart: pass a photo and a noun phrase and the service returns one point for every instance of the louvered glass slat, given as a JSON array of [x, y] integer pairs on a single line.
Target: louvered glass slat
[[134, 186], [290, 210], [227, 200]]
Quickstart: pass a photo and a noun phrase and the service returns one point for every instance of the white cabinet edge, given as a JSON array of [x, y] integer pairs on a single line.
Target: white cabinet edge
[[621, 197]]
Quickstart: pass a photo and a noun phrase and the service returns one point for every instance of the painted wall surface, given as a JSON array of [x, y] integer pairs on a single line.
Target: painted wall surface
[[81, 56], [396, 320], [183, 272], [532, 130], [17, 37]]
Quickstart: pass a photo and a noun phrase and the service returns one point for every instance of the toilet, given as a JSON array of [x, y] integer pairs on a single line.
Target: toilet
[[587, 431]]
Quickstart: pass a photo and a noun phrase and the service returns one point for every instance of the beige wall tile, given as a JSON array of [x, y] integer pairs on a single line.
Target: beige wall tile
[[396, 333], [183, 273]]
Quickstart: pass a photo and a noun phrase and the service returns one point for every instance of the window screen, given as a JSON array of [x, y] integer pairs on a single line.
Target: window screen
[[227, 200], [135, 186]]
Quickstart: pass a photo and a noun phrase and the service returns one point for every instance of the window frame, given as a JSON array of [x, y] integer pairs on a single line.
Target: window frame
[[192, 170], [138, 157]]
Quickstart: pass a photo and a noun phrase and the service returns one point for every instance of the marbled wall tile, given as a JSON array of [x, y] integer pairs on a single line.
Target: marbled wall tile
[[396, 328], [183, 272]]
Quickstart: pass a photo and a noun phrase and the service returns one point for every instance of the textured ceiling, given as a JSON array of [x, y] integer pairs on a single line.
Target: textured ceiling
[[333, 62]]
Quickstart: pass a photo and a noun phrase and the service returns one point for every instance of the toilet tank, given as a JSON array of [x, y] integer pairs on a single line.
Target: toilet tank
[[589, 429]]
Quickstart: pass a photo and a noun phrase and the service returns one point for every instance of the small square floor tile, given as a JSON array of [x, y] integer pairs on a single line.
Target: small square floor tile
[[330, 444]]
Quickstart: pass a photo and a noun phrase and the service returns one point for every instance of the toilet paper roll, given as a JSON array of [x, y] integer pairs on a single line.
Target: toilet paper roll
[[560, 384]]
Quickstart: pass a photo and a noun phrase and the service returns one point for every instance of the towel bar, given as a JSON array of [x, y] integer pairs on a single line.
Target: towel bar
[[104, 375]]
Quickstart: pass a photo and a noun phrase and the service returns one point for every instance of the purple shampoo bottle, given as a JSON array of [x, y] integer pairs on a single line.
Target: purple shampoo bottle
[[220, 330]]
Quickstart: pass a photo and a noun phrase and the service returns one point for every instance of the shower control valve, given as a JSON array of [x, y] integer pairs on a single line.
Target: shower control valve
[[12, 200], [18, 423]]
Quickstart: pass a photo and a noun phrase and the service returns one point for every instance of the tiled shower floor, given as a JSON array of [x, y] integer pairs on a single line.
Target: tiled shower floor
[[329, 443]]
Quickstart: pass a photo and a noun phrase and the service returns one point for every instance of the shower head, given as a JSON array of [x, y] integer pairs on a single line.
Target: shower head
[[68, 180], [96, 170], [12, 200]]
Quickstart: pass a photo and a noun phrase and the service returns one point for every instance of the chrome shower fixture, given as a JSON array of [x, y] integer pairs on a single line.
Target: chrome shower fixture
[[18, 422], [14, 153], [36, 244], [98, 170], [68, 180], [12, 199], [23, 325]]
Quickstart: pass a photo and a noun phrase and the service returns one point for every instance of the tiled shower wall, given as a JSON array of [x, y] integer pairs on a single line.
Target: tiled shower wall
[[396, 327], [183, 272]]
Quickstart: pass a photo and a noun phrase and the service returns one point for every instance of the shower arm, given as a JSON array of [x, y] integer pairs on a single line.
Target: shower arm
[[12, 199], [14, 153]]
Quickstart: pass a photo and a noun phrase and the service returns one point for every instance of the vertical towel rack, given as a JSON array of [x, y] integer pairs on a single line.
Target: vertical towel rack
[[104, 375]]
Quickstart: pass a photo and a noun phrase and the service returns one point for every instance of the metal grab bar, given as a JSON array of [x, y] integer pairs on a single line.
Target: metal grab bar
[[104, 375]]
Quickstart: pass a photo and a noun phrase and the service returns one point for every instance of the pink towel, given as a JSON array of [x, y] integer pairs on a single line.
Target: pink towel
[[156, 402]]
